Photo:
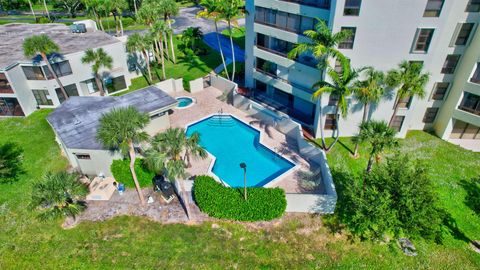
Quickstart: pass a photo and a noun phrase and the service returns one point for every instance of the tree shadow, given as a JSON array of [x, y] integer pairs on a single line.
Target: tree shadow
[[346, 147], [472, 187]]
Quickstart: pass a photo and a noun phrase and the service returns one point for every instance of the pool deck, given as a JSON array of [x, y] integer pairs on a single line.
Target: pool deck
[[207, 103]]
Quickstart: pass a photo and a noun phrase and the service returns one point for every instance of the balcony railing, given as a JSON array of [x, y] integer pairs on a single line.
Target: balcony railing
[[470, 110], [296, 31], [303, 88], [475, 80], [324, 4], [282, 54], [6, 90]]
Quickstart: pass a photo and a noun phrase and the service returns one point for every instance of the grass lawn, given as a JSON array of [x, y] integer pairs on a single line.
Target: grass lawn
[[135, 242], [238, 35]]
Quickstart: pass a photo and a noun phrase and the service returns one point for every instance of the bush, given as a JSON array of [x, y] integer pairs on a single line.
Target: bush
[[398, 200], [223, 202], [120, 169]]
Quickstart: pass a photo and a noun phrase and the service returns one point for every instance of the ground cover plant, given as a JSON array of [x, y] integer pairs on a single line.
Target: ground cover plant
[[121, 172]]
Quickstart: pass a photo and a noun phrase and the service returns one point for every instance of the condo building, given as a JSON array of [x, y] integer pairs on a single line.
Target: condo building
[[26, 84], [442, 35]]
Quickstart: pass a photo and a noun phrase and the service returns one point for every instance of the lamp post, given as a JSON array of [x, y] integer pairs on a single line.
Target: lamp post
[[244, 167]]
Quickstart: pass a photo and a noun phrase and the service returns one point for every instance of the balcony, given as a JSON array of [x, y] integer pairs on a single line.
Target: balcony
[[470, 103], [323, 4], [306, 60]]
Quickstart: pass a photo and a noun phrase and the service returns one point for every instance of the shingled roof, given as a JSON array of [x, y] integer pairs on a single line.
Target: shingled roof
[[76, 121]]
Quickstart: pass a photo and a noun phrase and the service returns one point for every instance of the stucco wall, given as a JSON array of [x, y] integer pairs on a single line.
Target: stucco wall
[[99, 162]]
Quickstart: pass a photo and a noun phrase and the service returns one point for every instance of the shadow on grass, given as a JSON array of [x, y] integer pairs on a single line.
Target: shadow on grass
[[472, 188]]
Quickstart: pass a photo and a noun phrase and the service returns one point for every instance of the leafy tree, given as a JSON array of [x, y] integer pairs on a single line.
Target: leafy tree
[[121, 129], [229, 11], [369, 91], [71, 6], [11, 158], [191, 36], [58, 195], [95, 7], [211, 11], [139, 43], [117, 7], [100, 59], [342, 86], [410, 82], [43, 45]]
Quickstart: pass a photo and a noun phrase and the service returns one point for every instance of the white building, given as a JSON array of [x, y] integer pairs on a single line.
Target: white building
[[437, 33], [25, 84]]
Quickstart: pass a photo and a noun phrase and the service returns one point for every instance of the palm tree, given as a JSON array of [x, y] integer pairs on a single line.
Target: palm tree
[[139, 43], [342, 86], [369, 91], [46, 8], [58, 195], [117, 7], [121, 129], [165, 156], [191, 36], [169, 8], [158, 31], [230, 11], [379, 136], [43, 45], [31, 9], [322, 45], [410, 80], [100, 59], [210, 11], [94, 7]]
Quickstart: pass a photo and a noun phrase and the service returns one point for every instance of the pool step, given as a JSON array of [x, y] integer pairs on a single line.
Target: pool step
[[221, 121]]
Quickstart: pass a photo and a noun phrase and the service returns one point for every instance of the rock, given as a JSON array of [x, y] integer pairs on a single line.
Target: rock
[[407, 247]]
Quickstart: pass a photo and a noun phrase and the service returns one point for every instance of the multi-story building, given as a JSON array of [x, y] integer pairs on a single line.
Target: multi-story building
[[26, 84], [440, 34]]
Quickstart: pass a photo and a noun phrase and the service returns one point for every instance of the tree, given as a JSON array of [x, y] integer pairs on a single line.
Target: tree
[[191, 36], [100, 59], [94, 7], [58, 195], [71, 6], [31, 9], [121, 129], [11, 157], [410, 82], [138, 43], [379, 136], [158, 33], [211, 11], [169, 8], [369, 91], [342, 86], [46, 8], [165, 156], [117, 7], [230, 11], [43, 45]]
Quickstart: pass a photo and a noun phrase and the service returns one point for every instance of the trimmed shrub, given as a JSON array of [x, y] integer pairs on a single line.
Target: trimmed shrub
[[223, 202], [120, 169]]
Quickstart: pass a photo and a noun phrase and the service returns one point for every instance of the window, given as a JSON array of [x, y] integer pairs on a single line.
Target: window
[[42, 97], [473, 6], [462, 130], [450, 63], [430, 115], [433, 8], [283, 98], [10, 107], [33, 72], [330, 122], [440, 90], [267, 67], [91, 85], [348, 43], [470, 103], [115, 84], [332, 100], [5, 87], [464, 33], [283, 20], [352, 7], [476, 75], [397, 122], [61, 69], [260, 87], [82, 156], [70, 89], [404, 102], [422, 40]]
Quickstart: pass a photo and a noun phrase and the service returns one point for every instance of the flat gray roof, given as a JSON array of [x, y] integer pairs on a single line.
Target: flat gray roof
[[76, 121], [12, 36]]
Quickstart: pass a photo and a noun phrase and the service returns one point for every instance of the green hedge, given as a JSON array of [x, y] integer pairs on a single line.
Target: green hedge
[[223, 202], [120, 169]]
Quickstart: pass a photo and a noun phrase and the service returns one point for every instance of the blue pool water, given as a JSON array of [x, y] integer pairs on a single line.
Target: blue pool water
[[184, 101], [231, 141]]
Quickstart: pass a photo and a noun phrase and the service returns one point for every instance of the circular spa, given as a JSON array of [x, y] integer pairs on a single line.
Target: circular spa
[[184, 102]]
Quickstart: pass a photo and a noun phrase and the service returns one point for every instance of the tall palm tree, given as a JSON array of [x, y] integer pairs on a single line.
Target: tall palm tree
[[46, 8], [94, 7], [31, 9], [229, 12], [342, 86], [43, 45], [211, 11], [369, 91], [139, 43], [121, 129], [158, 31], [410, 81], [99, 59], [169, 8], [323, 45], [117, 7], [58, 195], [191, 36], [165, 156]]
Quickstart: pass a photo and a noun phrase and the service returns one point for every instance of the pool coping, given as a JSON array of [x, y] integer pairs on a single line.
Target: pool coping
[[194, 101], [214, 159]]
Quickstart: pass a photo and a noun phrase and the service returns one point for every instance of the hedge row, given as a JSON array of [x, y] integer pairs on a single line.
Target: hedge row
[[120, 169], [223, 202]]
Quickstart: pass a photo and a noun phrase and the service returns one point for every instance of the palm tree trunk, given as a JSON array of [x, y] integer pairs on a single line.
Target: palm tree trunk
[[337, 130], [185, 199], [366, 109], [171, 41], [163, 59], [121, 25], [221, 51], [165, 43], [99, 84], [135, 6], [31, 9], [46, 8], [233, 50], [101, 24], [49, 66], [147, 62], [117, 31], [134, 174], [157, 51], [322, 135]]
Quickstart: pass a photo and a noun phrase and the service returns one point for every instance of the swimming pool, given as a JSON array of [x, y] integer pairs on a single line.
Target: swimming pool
[[184, 102], [232, 142]]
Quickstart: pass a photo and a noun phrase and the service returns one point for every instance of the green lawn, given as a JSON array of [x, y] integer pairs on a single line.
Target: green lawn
[[238, 35], [135, 242]]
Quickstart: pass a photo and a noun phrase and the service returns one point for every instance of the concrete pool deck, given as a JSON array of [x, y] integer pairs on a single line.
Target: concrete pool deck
[[207, 103]]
